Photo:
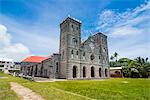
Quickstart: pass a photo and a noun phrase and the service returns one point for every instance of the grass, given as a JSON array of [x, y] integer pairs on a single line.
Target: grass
[[111, 89]]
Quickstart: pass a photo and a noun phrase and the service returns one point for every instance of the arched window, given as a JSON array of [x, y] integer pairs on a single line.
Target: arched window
[[92, 57], [77, 53], [84, 71], [99, 72], [74, 41], [92, 72], [74, 71], [57, 67], [71, 51], [106, 72]]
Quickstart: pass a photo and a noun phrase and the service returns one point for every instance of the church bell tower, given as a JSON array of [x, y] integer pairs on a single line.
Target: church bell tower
[[70, 39]]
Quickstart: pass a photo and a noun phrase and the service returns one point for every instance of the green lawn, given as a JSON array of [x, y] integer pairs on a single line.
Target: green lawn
[[110, 89]]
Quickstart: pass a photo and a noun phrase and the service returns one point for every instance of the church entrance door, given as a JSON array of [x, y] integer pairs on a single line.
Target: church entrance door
[[84, 72], [74, 71], [92, 72]]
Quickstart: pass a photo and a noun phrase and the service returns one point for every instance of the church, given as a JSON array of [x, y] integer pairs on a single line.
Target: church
[[76, 59]]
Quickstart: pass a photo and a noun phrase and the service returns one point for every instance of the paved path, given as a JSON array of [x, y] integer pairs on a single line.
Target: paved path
[[25, 93]]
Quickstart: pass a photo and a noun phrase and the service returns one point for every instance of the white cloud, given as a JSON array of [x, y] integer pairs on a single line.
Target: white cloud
[[130, 22], [128, 32], [41, 38], [132, 51], [16, 51]]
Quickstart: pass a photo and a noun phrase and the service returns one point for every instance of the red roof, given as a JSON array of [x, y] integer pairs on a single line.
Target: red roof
[[36, 59]]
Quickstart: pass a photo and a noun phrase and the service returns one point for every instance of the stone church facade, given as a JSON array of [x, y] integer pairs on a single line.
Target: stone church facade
[[76, 59]]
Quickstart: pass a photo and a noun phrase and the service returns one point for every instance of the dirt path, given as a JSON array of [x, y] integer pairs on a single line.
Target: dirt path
[[25, 93]]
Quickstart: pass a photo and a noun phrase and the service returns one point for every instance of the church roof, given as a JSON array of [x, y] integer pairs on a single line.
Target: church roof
[[71, 18], [36, 59]]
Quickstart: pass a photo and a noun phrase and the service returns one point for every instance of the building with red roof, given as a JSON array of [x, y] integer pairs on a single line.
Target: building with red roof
[[34, 59], [39, 66]]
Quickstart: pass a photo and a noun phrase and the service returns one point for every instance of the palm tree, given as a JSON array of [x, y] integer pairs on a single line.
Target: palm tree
[[116, 55], [142, 61], [146, 59], [112, 58]]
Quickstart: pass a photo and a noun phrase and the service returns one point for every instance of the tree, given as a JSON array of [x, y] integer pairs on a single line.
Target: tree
[[138, 67], [112, 58], [112, 62], [116, 56]]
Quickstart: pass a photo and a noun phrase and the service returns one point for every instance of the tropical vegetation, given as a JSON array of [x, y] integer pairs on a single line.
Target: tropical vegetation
[[136, 68]]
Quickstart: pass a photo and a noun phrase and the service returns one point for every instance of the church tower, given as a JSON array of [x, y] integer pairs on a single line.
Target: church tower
[[70, 39]]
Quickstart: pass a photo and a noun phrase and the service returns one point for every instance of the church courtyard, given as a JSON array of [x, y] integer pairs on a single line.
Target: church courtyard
[[108, 89]]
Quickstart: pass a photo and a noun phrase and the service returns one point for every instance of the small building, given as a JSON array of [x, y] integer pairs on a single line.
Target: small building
[[37, 66], [9, 66], [116, 72]]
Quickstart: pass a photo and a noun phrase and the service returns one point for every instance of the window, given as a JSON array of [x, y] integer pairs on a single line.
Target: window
[[106, 72], [74, 41], [104, 50], [57, 69], [77, 28], [77, 53], [83, 53], [84, 71], [99, 72], [99, 57], [71, 51], [36, 70], [74, 71], [92, 72], [92, 57], [1, 65], [72, 28], [11, 66]]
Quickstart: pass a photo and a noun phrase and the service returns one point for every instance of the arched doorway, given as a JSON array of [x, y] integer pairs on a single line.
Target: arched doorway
[[57, 69], [74, 71], [100, 72], [84, 71], [106, 72], [92, 71]]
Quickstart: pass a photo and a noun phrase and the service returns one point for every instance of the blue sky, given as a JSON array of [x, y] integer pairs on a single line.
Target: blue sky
[[31, 27]]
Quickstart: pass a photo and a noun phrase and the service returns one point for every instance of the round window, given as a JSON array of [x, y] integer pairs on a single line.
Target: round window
[[92, 57]]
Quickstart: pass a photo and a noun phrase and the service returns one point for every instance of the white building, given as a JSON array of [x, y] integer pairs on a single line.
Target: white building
[[8, 66]]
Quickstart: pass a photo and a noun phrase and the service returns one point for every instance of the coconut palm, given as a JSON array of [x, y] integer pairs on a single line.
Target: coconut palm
[[116, 56], [112, 58]]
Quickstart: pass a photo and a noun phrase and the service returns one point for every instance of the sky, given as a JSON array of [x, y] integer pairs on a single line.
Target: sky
[[31, 27]]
